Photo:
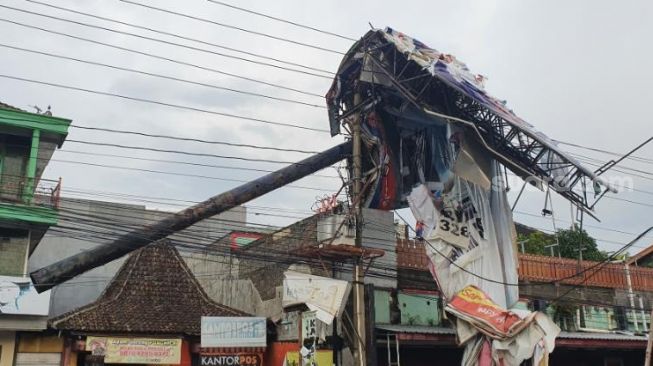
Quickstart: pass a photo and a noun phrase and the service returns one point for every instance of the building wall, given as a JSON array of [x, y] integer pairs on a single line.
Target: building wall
[[39, 343], [99, 223], [13, 251], [379, 233]]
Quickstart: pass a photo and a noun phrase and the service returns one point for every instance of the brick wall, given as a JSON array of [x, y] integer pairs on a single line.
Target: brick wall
[[265, 260]]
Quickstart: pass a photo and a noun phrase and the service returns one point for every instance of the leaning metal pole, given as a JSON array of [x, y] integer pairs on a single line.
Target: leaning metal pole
[[54, 274]]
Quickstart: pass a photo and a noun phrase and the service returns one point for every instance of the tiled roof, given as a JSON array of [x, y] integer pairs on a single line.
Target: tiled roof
[[153, 292]]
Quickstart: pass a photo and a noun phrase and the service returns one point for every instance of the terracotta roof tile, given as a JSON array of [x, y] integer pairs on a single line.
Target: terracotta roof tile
[[153, 292]]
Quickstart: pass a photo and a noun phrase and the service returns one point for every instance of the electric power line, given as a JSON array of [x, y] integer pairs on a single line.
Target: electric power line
[[162, 41], [166, 104], [162, 58], [284, 20], [166, 77], [262, 34], [178, 36], [178, 138]]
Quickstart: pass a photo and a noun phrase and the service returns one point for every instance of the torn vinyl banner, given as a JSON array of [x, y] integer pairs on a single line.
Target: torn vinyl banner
[[472, 239]]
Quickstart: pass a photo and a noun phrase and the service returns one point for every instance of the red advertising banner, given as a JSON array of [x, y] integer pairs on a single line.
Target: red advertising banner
[[473, 305]]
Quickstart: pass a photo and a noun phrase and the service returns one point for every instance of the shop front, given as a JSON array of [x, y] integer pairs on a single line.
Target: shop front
[[141, 321], [22, 310]]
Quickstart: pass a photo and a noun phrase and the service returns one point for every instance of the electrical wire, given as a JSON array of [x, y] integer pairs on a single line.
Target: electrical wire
[[166, 77], [180, 152], [162, 58], [193, 48], [176, 138], [166, 104], [262, 34], [89, 153], [179, 36], [284, 20], [632, 157]]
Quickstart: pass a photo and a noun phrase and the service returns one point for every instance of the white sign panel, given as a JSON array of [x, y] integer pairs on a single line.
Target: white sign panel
[[309, 325], [19, 297], [326, 296], [227, 331]]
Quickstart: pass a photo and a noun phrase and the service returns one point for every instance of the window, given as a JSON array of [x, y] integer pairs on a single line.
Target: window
[[14, 152]]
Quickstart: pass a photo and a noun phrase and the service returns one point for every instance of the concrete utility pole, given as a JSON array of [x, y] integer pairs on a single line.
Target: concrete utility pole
[[649, 344], [631, 296], [54, 274], [359, 288]]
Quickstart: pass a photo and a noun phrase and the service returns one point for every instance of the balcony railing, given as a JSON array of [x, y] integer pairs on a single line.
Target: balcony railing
[[47, 192]]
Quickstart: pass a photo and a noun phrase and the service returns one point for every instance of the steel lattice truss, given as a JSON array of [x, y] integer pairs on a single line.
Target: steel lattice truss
[[397, 79]]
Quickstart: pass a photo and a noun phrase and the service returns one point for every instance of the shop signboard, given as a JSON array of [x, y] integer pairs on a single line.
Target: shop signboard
[[149, 351], [229, 331], [232, 359], [19, 297]]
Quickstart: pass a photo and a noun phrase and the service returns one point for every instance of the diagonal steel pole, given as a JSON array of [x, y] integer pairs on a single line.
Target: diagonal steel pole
[[59, 272]]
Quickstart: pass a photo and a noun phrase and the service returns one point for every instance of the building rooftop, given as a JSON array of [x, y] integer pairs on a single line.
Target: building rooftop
[[154, 292], [644, 257], [10, 107]]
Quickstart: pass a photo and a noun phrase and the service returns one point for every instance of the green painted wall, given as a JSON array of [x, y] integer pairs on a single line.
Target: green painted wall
[[382, 307], [631, 320], [600, 318]]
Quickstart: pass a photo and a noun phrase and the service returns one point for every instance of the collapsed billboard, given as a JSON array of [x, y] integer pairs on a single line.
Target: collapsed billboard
[[435, 141], [423, 103]]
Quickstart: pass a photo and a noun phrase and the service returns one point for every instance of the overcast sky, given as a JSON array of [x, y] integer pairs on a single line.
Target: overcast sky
[[579, 71]]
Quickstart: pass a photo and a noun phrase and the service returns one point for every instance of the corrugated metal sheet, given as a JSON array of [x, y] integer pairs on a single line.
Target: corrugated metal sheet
[[602, 336], [396, 328], [566, 335]]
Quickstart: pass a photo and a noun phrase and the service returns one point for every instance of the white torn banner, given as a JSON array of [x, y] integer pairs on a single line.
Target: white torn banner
[[326, 296]]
